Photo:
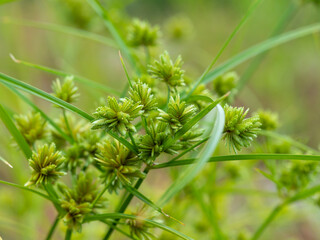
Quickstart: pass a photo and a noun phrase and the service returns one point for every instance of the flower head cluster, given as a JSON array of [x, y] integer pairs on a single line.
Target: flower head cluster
[[239, 131], [32, 127], [66, 91], [151, 145], [120, 165], [142, 34], [141, 93], [179, 27], [117, 116], [46, 164], [225, 83], [269, 120], [77, 202], [178, 113], [167, 71]]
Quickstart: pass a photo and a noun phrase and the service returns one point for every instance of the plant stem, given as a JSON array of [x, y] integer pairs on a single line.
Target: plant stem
[[102, 192], [132, 140], [68, 234], [53, 227], [67, 124], [125, 204]]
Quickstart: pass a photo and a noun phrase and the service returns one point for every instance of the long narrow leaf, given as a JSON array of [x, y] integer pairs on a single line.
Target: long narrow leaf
[[127, 216], [16, 134], [5, 162], [264, 156], [62, 29], [56, 72], [260, 48], [35, 91], [187, 176]]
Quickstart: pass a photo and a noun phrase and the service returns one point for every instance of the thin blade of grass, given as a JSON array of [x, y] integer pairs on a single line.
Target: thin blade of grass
[[56, 72], [224, 46], [16, 134], [96, 5], [5, 162], [240, 157], [25, 188], [258, 49], [61, 29], [46, 96], [187, 176], [48, 119], [127, 216]]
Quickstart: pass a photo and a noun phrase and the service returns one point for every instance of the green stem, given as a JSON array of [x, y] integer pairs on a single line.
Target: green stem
[[132, 140], [53, 227], [147, 51], [68, 234], [102, 192], [67, 124], [124, 205]]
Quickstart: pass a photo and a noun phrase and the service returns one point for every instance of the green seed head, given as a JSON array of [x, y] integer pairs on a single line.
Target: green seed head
[[66, 91], [269, 120], [142, 34]]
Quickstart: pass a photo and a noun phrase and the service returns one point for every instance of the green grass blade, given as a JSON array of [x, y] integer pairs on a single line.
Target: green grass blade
[[131, 147], [144, 199], [16, 134], [192, 122], [127, 216], [224, 46], [25, 188], [258, 49], [96, 5], [62, 29], [46, 96], [187, 176], [56, 72], [49, 120], [240, 157]]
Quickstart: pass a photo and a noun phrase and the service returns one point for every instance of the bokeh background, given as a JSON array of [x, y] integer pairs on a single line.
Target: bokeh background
[[287, 82]]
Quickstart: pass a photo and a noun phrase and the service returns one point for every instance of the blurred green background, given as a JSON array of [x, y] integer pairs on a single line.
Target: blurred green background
[[287, 82]]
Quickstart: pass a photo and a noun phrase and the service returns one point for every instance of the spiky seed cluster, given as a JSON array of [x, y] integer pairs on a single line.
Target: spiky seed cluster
[[142, 34], [120, 165], [46, 164], [77, 201], [239, 131], [151, 145], [179, 27], [141, 93], [117, 116], [190, 137], [32, 127], [167, 71], [66, 91], [178, 113], [268, 119], [225, 83]]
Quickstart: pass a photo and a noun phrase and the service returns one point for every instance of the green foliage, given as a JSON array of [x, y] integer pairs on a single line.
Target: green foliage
[[66, 91], [141, 93], [46, 164], [168, 72], [239, 131], [120, 166], [32, 127], [117, 116], [141, 33], [225, 83], [268, 120]]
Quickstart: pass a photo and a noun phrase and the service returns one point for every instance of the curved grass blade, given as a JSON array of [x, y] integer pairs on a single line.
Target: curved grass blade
[[234, 32], [25, 188], [187, 176], [5, 162], [265, 156], [16, 134], [62, 29], [258, 49], [96, 5], [51, 122], [299, 196], [35, 91], [193, 122], [83, 80], [127, 216]]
